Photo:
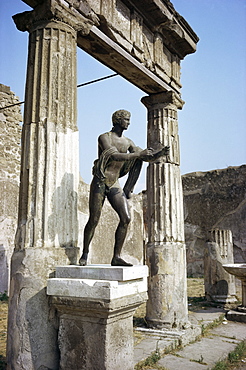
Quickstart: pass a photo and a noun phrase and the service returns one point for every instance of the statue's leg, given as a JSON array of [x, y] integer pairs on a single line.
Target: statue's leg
[[96, 200], [118, 201]]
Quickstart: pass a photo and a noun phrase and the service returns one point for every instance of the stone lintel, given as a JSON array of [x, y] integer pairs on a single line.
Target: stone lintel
[[162, 16], [115, 57], [102, 272], [100, 35]]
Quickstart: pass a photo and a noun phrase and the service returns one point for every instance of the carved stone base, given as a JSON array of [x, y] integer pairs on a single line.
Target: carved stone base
[[95, 316]]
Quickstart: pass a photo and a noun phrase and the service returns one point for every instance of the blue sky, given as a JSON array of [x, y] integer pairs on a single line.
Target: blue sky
[[212, 124]]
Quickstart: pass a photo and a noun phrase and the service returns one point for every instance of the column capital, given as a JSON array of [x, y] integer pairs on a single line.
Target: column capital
[[54, 10], [163, 99]]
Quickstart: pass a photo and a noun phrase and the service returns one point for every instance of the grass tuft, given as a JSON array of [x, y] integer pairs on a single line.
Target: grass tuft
[[233, 358], [212, 325]]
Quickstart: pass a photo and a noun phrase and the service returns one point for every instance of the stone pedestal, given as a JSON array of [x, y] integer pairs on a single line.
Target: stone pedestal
[[239, 270], [166, 255], [95, 305]]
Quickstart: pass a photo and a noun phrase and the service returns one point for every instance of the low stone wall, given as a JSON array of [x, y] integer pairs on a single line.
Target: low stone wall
[[10, 133], [214, 200]]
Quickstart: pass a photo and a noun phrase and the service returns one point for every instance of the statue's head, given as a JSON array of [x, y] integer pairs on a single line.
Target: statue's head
[[116, 116]]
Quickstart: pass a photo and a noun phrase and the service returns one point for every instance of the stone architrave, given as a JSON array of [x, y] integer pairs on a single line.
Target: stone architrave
[[166, 255], [47, 232], [219, 284]]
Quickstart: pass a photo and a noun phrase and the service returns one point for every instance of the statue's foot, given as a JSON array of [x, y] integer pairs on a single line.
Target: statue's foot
[[117, 261], [82, 262], [83, 259]]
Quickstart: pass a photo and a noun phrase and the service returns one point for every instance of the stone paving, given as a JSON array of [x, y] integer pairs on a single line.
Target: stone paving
[[201, 354]]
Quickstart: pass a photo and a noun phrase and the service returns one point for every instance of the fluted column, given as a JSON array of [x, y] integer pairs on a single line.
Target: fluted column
[[219, 284], [166, 254], [49, 169], [47, 231]]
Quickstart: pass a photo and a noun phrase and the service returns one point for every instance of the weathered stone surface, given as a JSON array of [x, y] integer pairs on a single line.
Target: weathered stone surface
[[238, 316], [219, 284], [102, 272], [239, 270], [47, 232], [99, 313], [32, 324], [134, 43], [94, 289], [214, 199], [144, 41], [165, 251], [10, 134]]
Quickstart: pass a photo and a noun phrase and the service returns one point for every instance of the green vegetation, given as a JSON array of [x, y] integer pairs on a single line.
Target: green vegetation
[[2, 363], [234, 358], [150, 361], [212, 325], [4, 297], [3, 329], [200, 361]]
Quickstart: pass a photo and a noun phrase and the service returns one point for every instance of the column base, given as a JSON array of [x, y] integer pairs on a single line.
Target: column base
[[223, 299], [95, 315]]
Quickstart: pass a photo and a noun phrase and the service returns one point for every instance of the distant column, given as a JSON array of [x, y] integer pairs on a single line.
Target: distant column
[[219, 284], [166, 254], [47, 232]]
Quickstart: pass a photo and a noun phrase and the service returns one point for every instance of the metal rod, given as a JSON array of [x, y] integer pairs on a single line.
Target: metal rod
[[84, 84], [12, 105], [99, 79]]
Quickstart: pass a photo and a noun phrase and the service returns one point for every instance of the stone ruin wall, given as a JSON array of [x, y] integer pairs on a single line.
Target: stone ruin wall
[[10, 134], [214, 200]]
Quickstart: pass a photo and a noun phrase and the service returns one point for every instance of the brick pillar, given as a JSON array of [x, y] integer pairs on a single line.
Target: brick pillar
[[47, 231], [166, 255]]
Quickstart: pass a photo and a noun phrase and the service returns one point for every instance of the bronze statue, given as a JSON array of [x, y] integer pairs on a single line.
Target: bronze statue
[[117, 156]]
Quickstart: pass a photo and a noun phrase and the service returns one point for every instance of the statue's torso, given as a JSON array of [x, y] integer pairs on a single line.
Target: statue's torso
[[113, 167]]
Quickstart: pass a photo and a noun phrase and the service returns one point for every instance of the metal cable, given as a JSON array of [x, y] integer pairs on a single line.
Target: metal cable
[[84, 84]]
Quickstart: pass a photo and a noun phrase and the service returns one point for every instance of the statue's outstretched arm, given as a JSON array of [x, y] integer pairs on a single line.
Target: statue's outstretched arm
[[153, 154]]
